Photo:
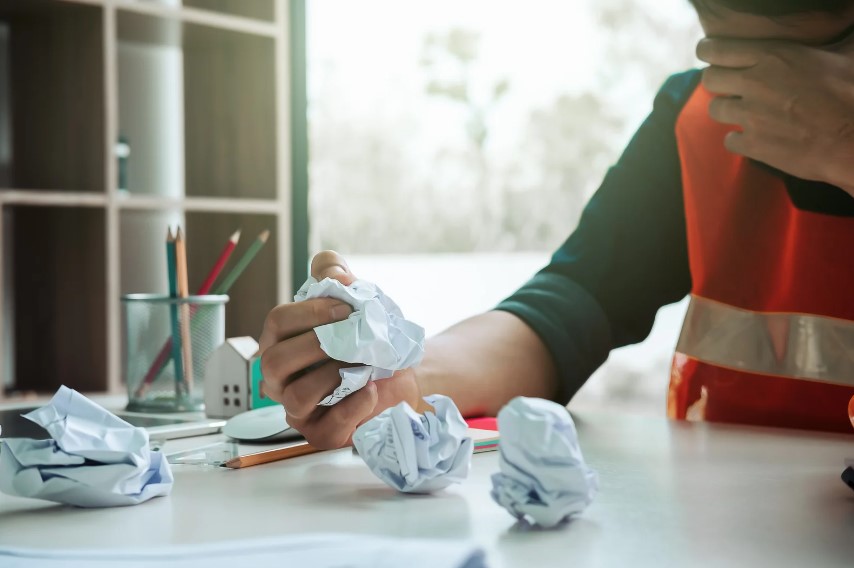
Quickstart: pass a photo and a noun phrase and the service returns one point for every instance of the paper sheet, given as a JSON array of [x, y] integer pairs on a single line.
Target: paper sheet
[[376, 334], [315, 550], [95, 458], [417, 453], [543, 477]]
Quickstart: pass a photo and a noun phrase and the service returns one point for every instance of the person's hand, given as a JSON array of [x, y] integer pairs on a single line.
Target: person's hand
[[298, 374], [793, 104]]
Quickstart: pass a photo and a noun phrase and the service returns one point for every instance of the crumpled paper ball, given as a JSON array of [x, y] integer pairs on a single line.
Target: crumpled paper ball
[[375, 334], [417, 453], [95, 458], [543, 477]]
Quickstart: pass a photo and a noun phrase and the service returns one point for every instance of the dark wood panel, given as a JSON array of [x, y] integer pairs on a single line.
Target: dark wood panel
[[57, 95], [59, 290], [230, 114]]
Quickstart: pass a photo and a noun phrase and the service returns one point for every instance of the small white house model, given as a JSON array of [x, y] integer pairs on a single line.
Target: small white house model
[[228, 378]]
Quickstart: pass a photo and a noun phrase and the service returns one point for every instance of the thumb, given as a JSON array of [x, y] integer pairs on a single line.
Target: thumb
[[330, 264]]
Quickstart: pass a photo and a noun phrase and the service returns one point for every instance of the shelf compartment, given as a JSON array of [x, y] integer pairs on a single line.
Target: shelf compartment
[[55, 257], [51, 96], [143, 264], [216, 88], [256, 292]]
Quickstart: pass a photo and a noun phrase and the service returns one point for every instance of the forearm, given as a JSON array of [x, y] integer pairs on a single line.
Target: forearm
[[486, 360]]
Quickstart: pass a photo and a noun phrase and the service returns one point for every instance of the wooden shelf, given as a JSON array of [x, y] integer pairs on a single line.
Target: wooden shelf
[[47, 197], [193, 73], [207, 204], [192, 14], [198, 93], [57, 283], [51, 93]]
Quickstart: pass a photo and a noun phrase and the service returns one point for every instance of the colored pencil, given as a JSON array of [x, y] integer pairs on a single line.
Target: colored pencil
[[184, 292], [219, 264], [241, 265], [268, 456], [171, 270], [161, 360]]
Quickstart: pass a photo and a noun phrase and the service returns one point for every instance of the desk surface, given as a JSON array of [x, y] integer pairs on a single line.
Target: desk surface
[[671, 494]]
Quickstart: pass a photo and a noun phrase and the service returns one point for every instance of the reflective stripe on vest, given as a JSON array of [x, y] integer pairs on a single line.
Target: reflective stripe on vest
[[782, 344]]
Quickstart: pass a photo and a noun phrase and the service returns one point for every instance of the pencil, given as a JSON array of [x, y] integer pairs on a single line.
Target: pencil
[[241, 265], [183, 292], [268, 456], [219, 264], [173, 312], [162, 358]]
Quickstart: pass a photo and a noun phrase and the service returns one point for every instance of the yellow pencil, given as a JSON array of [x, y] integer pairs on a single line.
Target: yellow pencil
[[183, 292], [268, 456]]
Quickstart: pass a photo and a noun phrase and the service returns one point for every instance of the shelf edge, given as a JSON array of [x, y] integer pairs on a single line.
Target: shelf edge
[[197, 16], [47, 198]]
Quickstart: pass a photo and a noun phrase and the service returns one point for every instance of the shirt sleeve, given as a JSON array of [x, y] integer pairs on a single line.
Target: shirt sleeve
[[627, 258]]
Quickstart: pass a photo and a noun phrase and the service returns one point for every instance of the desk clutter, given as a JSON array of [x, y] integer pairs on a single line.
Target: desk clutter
[[375, 334], [94, 459], [171, 338]]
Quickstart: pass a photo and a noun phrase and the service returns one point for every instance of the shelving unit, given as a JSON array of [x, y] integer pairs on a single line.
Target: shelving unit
[[200, 93]]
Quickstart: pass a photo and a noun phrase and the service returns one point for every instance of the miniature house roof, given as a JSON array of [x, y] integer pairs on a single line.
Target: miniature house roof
[[246, 347]]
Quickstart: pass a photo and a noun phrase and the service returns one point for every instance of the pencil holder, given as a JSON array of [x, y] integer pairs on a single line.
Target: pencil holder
[[167, 345]]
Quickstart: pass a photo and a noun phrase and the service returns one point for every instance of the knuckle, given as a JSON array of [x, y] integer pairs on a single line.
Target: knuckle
[[295, 401], [268, 373], [324, 439], [272, 323], [320, 311]]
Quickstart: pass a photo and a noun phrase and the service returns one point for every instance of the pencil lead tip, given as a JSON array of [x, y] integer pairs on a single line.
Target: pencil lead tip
[[236, 236], [264, 236]]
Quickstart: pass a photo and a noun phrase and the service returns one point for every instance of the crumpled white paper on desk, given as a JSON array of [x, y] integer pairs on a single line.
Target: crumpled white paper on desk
[[95, 458], [375, 334], [417, 453], [543, 474]]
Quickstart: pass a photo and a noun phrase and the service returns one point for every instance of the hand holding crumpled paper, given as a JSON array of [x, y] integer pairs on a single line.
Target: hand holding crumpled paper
[[417, 453], [543, 475], [375, 334], [95, 458]]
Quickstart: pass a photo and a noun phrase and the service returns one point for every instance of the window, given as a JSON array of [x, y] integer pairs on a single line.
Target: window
[[453, 145]]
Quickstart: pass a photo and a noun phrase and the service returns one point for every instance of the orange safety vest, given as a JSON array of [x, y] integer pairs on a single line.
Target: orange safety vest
[[768, 338]]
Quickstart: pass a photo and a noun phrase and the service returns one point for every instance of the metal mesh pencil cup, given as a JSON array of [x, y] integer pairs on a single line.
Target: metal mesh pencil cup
[[167, 345]]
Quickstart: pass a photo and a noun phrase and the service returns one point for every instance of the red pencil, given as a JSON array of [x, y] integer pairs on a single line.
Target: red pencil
[[160, 360], [220, 263]]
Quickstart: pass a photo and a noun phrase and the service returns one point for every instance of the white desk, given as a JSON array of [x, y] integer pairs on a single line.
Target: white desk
[[671, 494]]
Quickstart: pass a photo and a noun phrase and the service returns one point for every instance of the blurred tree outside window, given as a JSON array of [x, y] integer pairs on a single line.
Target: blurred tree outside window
[[453, 145]]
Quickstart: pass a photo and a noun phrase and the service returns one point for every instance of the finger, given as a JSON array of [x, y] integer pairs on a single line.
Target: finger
[[775, 150], [725, 81], [301, 395], [289, 320], [330, 264], [334, 428], [281, 361], [736, 143], [728, 110], [736, 53]]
